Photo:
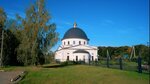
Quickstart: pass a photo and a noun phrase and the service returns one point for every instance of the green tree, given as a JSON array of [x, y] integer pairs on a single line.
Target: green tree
[[140, 50], [38, 35], [10, 42], [2, 23], [143, 51], [2, 19]]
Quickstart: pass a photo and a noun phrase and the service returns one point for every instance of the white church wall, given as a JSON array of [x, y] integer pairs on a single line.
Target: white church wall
[[81, 57], [94, 54], [73, 42], [62, 55]]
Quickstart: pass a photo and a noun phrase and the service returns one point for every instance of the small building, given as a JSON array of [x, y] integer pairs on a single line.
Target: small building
[[75, 47]]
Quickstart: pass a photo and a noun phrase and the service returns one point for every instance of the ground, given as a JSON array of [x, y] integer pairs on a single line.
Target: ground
[[79, 74], [6, 77]]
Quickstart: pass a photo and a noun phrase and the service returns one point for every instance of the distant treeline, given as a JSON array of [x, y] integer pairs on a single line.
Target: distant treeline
[[125, 52]]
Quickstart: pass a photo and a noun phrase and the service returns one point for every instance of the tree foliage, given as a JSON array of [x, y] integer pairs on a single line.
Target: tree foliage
[[38, 36], [3, 18], [115, 52], [28, 40], [10, 41], [2, 23]]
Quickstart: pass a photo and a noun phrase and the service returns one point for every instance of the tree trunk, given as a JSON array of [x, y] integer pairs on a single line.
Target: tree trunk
[[1, 58]]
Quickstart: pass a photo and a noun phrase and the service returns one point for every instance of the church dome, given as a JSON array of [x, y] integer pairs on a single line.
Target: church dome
[[75, 32]]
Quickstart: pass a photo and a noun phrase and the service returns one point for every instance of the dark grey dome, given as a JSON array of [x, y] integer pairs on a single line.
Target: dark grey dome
[[81, 51], [75, 33]]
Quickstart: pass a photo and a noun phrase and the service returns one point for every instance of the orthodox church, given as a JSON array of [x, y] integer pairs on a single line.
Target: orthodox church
[[75, 47]]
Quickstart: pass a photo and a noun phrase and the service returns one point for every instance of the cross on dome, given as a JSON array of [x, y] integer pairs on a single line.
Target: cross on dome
[[75, 25]]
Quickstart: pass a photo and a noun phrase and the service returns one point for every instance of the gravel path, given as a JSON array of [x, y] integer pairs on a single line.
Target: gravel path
[[5, 77]]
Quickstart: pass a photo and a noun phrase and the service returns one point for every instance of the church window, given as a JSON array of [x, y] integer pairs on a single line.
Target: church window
[[68, 43], [67, 58], [73, 42], [84, 42], [92, 58], [79, 42], [64, 43], [76, 58]]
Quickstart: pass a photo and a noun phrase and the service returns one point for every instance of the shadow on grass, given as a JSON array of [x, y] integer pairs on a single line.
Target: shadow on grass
[[54, 66], [63, 64]]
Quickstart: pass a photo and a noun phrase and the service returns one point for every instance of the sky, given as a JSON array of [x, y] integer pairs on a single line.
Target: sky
[[106, 22]]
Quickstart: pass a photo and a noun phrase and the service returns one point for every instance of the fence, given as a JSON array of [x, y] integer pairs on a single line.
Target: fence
[[118, 63], [122, 64]]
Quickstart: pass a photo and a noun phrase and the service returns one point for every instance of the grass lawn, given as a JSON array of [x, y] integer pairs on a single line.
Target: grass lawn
[[80, 74]]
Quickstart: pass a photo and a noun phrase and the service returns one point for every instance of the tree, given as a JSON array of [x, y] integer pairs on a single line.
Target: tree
[[126, 50], [2, 19], [2, 23], [38, 35], [143, 50], [9, 47]]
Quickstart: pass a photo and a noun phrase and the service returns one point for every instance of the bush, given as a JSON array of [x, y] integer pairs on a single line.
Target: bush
[[71, 63]]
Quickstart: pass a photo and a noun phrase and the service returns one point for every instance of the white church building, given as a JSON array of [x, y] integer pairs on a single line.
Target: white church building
[[75, 47]]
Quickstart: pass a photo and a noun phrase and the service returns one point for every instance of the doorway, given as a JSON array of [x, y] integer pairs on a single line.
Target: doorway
[[67, 58], [76, 58]]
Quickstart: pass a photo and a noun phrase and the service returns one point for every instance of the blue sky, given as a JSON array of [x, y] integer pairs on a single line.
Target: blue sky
[[106, 22]]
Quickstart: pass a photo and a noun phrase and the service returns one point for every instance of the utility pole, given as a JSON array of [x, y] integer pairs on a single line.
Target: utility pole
[[1, 58], [108, 58], [132, 53]]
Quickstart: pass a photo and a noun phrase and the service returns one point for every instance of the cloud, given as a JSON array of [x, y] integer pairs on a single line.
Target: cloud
[[106, 22], [68, 23], [62, 23]]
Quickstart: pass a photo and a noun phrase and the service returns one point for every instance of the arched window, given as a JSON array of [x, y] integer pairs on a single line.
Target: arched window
[[67, 58], [68, 43], [92, 53], [64, 43], [76, 58], [84, 42], [73, 42], [92, 58], [79, 42]]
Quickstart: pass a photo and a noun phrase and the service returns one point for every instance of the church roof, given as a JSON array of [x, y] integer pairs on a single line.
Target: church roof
[[80, 51], [75, 32]]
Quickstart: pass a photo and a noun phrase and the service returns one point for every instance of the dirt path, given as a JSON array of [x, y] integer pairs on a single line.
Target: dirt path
[[5, 77]]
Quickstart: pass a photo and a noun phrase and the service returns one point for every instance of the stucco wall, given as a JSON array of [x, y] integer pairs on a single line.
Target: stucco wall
[[62, 55], [73, 42]]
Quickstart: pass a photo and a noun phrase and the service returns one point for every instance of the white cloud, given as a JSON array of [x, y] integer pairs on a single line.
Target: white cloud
[[67, 23], [107, 22]]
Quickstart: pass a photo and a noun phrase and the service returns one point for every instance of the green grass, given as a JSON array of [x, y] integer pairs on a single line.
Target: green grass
[[80, 74]]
